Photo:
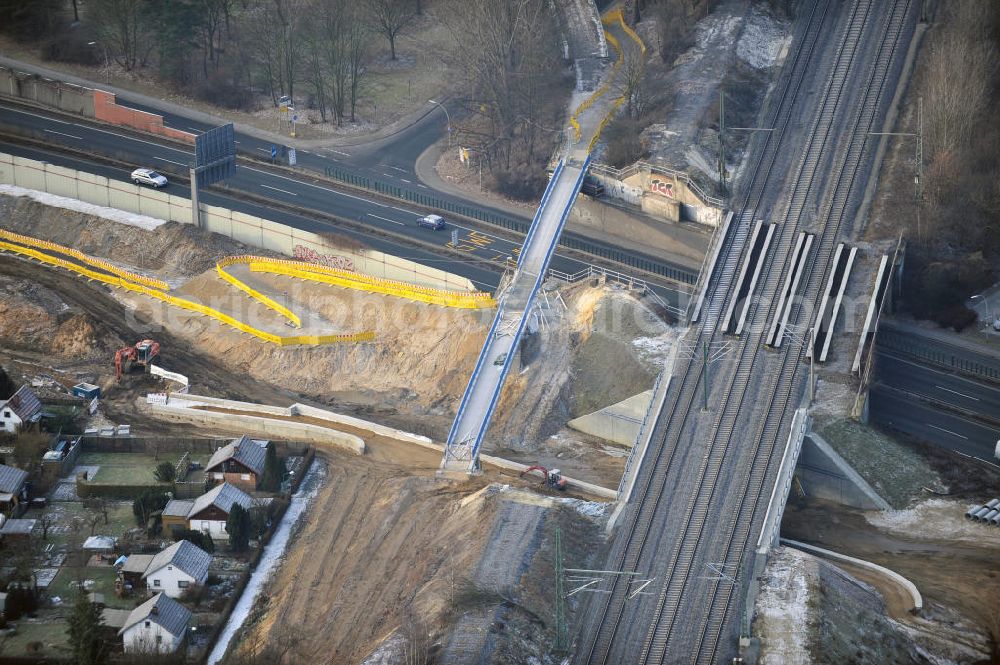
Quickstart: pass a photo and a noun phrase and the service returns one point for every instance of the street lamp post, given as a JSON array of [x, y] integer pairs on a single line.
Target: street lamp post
[[446, 115], [918, 179], [107, 63]]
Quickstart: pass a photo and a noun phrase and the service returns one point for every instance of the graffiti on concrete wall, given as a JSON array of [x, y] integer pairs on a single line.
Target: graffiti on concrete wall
[[312, 256], [662, 187]]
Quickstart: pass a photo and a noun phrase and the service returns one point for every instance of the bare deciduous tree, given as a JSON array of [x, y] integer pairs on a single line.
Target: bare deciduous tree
[[391, 17]]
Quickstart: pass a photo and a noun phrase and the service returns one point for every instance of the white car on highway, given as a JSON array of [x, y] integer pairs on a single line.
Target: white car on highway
[[434, 222], [148, 177]]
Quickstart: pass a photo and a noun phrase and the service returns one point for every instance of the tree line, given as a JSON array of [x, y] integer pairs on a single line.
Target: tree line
[[225, 52]]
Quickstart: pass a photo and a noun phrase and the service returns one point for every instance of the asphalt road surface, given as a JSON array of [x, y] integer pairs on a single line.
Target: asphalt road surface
[[977, 399], [904, 412], [385, 158]]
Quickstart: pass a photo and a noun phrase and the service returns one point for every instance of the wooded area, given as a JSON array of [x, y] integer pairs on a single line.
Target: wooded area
[[955, 251]]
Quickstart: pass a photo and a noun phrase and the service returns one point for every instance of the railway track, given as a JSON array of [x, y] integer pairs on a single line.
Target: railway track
[[780, 388]]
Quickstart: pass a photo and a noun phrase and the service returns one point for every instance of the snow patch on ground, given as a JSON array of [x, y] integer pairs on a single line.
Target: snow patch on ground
[[591, 509], [656, 349], [713, 32], [112, 214], [936, 519], [273, 553], [763, 40], [783, 609]]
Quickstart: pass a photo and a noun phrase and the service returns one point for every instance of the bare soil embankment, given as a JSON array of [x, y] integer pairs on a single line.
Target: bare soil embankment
[[955, 570]]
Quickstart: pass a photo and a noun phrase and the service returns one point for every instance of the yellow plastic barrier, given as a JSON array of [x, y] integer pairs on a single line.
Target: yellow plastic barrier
[[589, 101], [352, 280], [447, 299], [80, 256], [370, 279], [256, 295], [182, 303]]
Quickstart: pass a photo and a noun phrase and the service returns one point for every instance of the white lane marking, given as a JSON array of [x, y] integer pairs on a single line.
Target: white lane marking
[[309, 184], [264, 150], [957, 393], [45, 117], [284, 191], [419, 185], [406, 181], [408, 212], [52, 131], [164, 159], [132, 138], [948, 431], [386, 175], [386, 219], [339, 152], [396, 168]]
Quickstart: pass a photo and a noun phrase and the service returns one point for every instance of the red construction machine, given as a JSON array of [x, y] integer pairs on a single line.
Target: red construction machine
[[552, 477], [143, 353]]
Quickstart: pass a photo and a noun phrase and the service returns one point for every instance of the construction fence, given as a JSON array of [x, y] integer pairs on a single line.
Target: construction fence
[[124, 283]]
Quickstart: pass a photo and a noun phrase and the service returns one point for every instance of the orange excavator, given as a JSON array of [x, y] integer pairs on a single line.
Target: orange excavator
[[552, 477], [142, 353]]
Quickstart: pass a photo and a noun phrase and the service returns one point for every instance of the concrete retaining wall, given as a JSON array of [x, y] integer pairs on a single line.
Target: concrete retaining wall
[[256, 231], [826, 475], [238, 424], [614, 221], [619, 423], [48, 92], [107, 109], [915, 597]]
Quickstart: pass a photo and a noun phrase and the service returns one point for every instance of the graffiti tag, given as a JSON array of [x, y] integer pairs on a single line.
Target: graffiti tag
[[662, 187], [312, 256]]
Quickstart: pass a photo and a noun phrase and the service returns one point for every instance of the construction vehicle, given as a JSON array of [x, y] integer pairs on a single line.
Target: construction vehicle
[[143, 353], [553, 478]]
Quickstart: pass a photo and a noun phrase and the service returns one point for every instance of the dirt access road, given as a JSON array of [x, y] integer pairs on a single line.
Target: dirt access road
[[962, 576]]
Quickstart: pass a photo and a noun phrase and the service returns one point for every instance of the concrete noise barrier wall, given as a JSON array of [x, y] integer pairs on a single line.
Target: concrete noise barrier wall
[[249, 229]]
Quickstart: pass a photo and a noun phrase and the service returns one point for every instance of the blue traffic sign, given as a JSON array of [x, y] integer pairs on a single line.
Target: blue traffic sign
[[274, 151]]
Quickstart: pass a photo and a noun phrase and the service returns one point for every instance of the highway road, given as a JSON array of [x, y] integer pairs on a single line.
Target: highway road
[[384, 216], [906, 412], [978, 399]]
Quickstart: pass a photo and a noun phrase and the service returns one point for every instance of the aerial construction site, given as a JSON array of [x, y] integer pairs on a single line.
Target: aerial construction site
[[661, 333]]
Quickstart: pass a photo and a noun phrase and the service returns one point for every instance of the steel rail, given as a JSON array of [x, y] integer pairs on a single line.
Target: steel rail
[[782, 384], [767, 156], [684, 554]]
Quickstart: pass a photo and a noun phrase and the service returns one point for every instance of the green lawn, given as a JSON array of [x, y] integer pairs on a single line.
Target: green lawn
[[64, 586], [126, 468], [49, 629], [63, 514]]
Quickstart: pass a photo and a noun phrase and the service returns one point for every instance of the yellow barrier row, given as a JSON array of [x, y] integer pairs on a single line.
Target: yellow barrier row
[[256, 295], [355, 280], [80, 256], [185, 304], [461, 302], [608, 19], [589, 101]]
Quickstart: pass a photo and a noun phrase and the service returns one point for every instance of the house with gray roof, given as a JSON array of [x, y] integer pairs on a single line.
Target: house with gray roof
[[240, 462], [23, 408], [177, 568], [157, 626], [211, 510], [13, 488]]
